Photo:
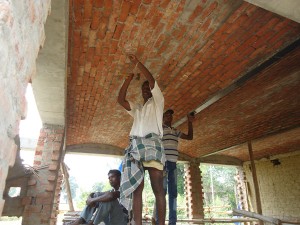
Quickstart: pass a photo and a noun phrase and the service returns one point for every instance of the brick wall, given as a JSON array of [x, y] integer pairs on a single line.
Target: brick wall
[[279, 186], [41, 202], [22, 34]]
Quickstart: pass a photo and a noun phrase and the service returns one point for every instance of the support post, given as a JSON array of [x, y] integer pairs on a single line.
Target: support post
[[67, 186], [255, 181]]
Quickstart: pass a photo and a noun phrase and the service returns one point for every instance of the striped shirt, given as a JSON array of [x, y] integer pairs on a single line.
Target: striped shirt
[[170, 142]]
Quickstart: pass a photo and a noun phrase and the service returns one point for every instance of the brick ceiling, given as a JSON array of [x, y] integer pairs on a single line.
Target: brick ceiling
[[195, 50]]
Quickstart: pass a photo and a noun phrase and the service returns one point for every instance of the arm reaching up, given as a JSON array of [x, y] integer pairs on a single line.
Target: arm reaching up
[[143, 69], [123, 91], [189, 136]]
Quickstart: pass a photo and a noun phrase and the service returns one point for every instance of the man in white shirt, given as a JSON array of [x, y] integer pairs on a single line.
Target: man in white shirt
[[145, 150]]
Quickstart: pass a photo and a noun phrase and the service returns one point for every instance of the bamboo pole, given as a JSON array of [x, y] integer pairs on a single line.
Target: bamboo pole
[[255, 181], [238, 212], [67, 186], [215, 220], [207, 220]]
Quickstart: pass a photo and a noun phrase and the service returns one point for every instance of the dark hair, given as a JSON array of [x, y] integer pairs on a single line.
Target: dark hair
[[116, 172]]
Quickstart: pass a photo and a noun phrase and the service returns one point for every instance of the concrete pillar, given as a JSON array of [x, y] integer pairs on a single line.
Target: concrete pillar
[[194, 192], [41, 203]]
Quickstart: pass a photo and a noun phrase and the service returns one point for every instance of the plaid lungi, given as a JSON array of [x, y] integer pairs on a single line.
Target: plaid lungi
[[139, 150]]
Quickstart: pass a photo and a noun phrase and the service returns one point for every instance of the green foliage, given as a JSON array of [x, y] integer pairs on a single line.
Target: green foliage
[[180, 178], [218, 186], [221, 178], [73, 186], [149, 198], [81, 200], [97, 187]]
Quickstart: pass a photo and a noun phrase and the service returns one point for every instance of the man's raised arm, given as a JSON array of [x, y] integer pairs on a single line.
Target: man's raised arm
[[123, 91], [189, 136], [143, 69]]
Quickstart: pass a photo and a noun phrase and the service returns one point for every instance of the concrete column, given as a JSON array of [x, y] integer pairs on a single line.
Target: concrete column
[[41, 203], [194, 192]]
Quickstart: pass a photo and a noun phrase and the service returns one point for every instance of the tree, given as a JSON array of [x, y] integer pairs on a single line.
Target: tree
[[73, 187], [180, 178], [218, 182], [96, 187]]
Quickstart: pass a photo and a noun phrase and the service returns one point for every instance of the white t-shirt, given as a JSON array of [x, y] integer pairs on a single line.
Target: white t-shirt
[[147, 118]]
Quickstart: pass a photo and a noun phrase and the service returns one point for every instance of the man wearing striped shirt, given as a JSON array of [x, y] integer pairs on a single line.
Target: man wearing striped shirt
[[170, 143]]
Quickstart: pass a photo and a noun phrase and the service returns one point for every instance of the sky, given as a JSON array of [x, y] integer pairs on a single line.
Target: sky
[[87, 169], [30, 127]]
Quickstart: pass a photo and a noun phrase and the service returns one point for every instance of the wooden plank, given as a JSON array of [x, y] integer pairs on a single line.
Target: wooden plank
[[255, 181], [67, 186]]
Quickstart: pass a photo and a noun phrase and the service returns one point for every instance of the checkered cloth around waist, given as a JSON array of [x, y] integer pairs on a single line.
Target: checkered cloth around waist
[[140, 149]]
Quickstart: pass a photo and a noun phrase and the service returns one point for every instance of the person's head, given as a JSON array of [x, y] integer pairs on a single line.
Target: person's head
[[168, 117], [114, 177], [146, 91]]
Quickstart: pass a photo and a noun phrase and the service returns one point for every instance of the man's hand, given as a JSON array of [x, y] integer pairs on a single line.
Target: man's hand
[[190, 117], [137, 64], [90, 202], [133, 59]]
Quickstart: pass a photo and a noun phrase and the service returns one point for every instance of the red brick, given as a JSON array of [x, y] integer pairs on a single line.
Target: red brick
[[103, 28], [32, 182], [237, 13], [118, 31], [51, 178], [97, 14], [33, 208], [135, 7], [269, 25], [76, 38], [209, 10], [88, 7], [147, 1], [98, 3], [44, 202], [195, 13], [26, 200], [124, 11], [164, 3], [141, 14]]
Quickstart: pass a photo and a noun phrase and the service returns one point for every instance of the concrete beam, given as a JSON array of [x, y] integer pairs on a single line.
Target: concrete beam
[[49, 85], [287, 8], [222, 160], [102, 149], [212, 159]]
